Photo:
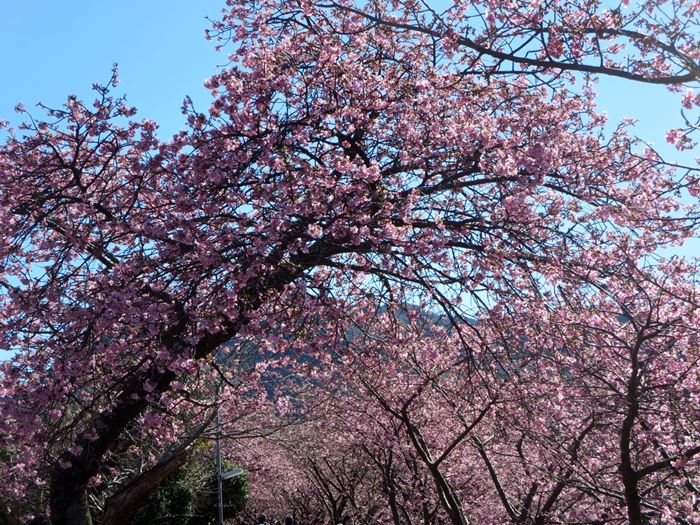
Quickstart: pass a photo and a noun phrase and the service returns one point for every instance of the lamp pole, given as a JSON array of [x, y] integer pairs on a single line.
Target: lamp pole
[[219, 484], [221, 476]]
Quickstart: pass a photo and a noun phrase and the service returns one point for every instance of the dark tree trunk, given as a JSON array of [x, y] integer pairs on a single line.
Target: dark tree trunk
[[68, 499], [130, 498]]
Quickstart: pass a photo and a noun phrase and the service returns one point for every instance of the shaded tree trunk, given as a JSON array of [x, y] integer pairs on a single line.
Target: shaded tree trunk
[[131, 497], [69, 485]]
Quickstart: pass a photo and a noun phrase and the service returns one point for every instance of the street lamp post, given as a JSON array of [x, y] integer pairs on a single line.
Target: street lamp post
[[222, 476], [219, 485]]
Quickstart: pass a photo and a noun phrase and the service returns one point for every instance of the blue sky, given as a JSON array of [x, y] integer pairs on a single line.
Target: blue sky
[[55, 48]]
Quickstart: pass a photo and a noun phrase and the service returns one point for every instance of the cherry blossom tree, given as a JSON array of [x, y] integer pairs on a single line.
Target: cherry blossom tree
[[583, 415], [353, 152]]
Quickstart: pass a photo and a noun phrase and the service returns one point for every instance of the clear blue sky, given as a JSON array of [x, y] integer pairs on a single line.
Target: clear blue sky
[[53, 48]]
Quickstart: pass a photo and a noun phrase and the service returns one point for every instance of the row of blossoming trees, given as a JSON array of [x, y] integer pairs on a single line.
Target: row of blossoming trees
[[365, 167], [582, 415]]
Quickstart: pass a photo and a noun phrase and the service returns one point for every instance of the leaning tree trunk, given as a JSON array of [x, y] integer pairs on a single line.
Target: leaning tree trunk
[[69, 485], [130, 497]]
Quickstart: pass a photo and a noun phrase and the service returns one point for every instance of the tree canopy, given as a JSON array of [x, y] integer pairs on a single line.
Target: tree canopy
[[363, 161]]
